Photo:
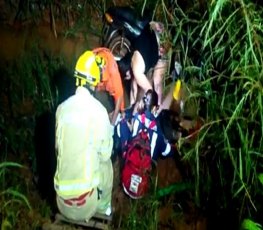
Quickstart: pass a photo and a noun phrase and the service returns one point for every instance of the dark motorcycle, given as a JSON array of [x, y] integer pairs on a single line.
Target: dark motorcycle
[[121, 26]]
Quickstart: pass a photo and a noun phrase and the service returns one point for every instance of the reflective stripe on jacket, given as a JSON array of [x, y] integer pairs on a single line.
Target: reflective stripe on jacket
[[83, 139], [159, 146]]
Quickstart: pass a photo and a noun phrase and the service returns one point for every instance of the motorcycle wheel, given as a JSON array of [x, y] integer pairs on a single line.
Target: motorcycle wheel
[[119, 47]]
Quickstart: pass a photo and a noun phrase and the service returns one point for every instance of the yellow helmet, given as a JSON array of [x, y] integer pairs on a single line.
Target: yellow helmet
[[88, 69]]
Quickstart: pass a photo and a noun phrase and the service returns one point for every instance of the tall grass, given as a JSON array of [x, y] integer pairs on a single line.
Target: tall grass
[[10, 197], [28, 91], [226, 58], [139, 218]]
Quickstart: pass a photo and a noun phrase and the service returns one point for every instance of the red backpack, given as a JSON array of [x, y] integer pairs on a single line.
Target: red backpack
[[137, 166]]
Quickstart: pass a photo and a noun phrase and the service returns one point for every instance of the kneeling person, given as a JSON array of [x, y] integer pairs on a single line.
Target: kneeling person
[[84, 175]]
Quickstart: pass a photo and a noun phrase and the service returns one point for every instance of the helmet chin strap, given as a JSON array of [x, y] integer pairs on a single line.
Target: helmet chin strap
[[83, 83], [100, 63], [80, 82], [77, 82]]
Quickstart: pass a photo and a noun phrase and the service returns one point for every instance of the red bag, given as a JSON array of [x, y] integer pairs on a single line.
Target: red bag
[[137, 166]]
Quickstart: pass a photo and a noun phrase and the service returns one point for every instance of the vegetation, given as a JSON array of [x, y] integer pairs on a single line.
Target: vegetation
[[28, 77], [226, 60], [219, 44]]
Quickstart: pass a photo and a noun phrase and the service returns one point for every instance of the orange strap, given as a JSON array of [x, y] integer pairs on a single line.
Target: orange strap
[[111, 79]]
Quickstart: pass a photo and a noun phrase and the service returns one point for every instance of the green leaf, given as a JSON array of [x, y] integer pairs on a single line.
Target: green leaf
[[248, 224], [10, 164], [174, 188], [17, 194], [260, 177], [6, 225]]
